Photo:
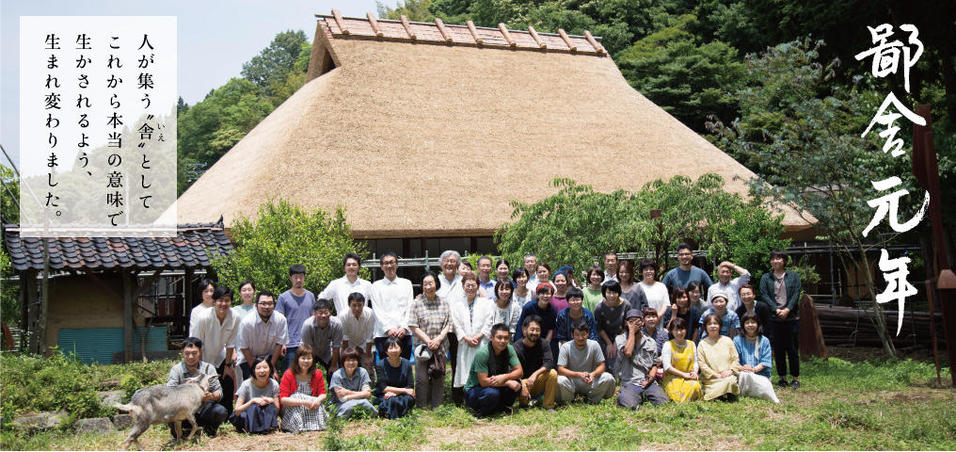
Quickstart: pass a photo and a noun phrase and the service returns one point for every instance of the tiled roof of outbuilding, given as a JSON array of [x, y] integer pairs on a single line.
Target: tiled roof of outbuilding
[[192, 247]]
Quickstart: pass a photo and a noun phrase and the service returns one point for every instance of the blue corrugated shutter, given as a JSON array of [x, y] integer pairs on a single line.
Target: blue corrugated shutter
[[98, 345]]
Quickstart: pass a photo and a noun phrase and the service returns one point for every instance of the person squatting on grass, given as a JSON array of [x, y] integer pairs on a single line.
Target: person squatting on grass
[[719, 364], [351, 386], [494, 380], [581, 368], [537, 363], [679, 357], [211, 414], [302, 392], [395, 384], [257, 402], [638, 364]]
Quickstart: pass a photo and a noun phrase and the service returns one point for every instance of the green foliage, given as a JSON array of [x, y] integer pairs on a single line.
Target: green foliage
[[283, 235], [58, 382], [415, 10], [578, 223], [9, 196], [689, 80], [274, 63]]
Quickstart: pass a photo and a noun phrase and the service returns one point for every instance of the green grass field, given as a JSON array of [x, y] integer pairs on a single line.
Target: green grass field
[[870, 404]]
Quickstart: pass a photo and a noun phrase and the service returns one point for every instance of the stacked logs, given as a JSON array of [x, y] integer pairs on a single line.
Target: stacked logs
[[855, 327]]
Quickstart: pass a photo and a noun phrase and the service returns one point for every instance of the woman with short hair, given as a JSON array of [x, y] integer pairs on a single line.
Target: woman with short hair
[[592, 292], [257, 402], [719, 363], [395, 384], [351, 385], [679, 357]]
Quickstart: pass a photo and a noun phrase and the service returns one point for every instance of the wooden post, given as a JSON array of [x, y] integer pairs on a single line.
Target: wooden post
[[374, 24], [507, 36], [408, 28], [811, 335], [32, 306], [127, 317], [442, 31], [338, 21], [44, 299], [474, 32], [537, 39], [187, 304], [567, 40]]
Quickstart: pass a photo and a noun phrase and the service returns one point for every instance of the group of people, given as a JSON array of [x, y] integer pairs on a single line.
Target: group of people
[[525, 335]]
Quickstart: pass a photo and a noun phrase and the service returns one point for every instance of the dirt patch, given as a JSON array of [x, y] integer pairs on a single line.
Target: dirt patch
[[488, 435]]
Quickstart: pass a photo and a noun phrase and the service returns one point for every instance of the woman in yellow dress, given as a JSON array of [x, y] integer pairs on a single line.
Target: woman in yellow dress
[[680, 365], [719, 363]]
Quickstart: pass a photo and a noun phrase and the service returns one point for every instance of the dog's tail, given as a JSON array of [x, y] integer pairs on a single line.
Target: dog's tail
[[133, 410]]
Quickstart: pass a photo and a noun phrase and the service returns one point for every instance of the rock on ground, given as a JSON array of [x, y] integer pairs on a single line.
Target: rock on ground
[[110, 398], [94, 425], [122, 421], [40, 421]]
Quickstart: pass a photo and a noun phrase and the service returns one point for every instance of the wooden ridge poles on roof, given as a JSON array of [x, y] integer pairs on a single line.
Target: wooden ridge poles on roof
[[474, 33], [408, 28], [441, 29], [534, 34], [338, 21], [504, 32], [593, 42], [374, 24], [567, 40]]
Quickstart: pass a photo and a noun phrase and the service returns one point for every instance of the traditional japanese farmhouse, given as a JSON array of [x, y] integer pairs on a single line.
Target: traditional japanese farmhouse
[[425, 131]]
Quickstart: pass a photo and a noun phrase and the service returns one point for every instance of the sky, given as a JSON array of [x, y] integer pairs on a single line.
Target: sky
[[215, 38]]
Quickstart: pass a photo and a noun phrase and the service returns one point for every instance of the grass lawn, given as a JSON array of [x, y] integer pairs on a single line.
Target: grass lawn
[[869, 404]]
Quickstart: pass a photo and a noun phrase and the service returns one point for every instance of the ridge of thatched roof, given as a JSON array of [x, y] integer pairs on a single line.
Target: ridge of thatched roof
[[435, 140], [437, 32]]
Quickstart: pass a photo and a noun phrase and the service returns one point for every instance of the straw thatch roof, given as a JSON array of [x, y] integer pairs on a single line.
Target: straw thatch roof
[[433, 136]]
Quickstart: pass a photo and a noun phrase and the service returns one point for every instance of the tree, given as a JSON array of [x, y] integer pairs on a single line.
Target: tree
[[689, 80], [578, 223], [802, 134], [283, 235], [274, 63], [416, 10]]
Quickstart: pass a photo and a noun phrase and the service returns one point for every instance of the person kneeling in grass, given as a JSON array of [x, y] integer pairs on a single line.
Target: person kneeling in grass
[[755, 364], [494, 381], [581, 368], [395, 384], [638, 364], [351, 386]]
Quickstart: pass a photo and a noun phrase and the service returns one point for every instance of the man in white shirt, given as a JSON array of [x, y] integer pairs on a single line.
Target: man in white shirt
[[391, 300], [358, 330], [531, 265], [730, 287], [339, 289], [262, 334], [610, 266], [217, 329], [451, 291]]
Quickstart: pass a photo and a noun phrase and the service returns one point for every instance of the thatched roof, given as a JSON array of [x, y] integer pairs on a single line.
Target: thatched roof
[[428, 137]]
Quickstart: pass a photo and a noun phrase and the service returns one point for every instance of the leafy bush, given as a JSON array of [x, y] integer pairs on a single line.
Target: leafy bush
[[577, 223], [284, 235], [58, 382]]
